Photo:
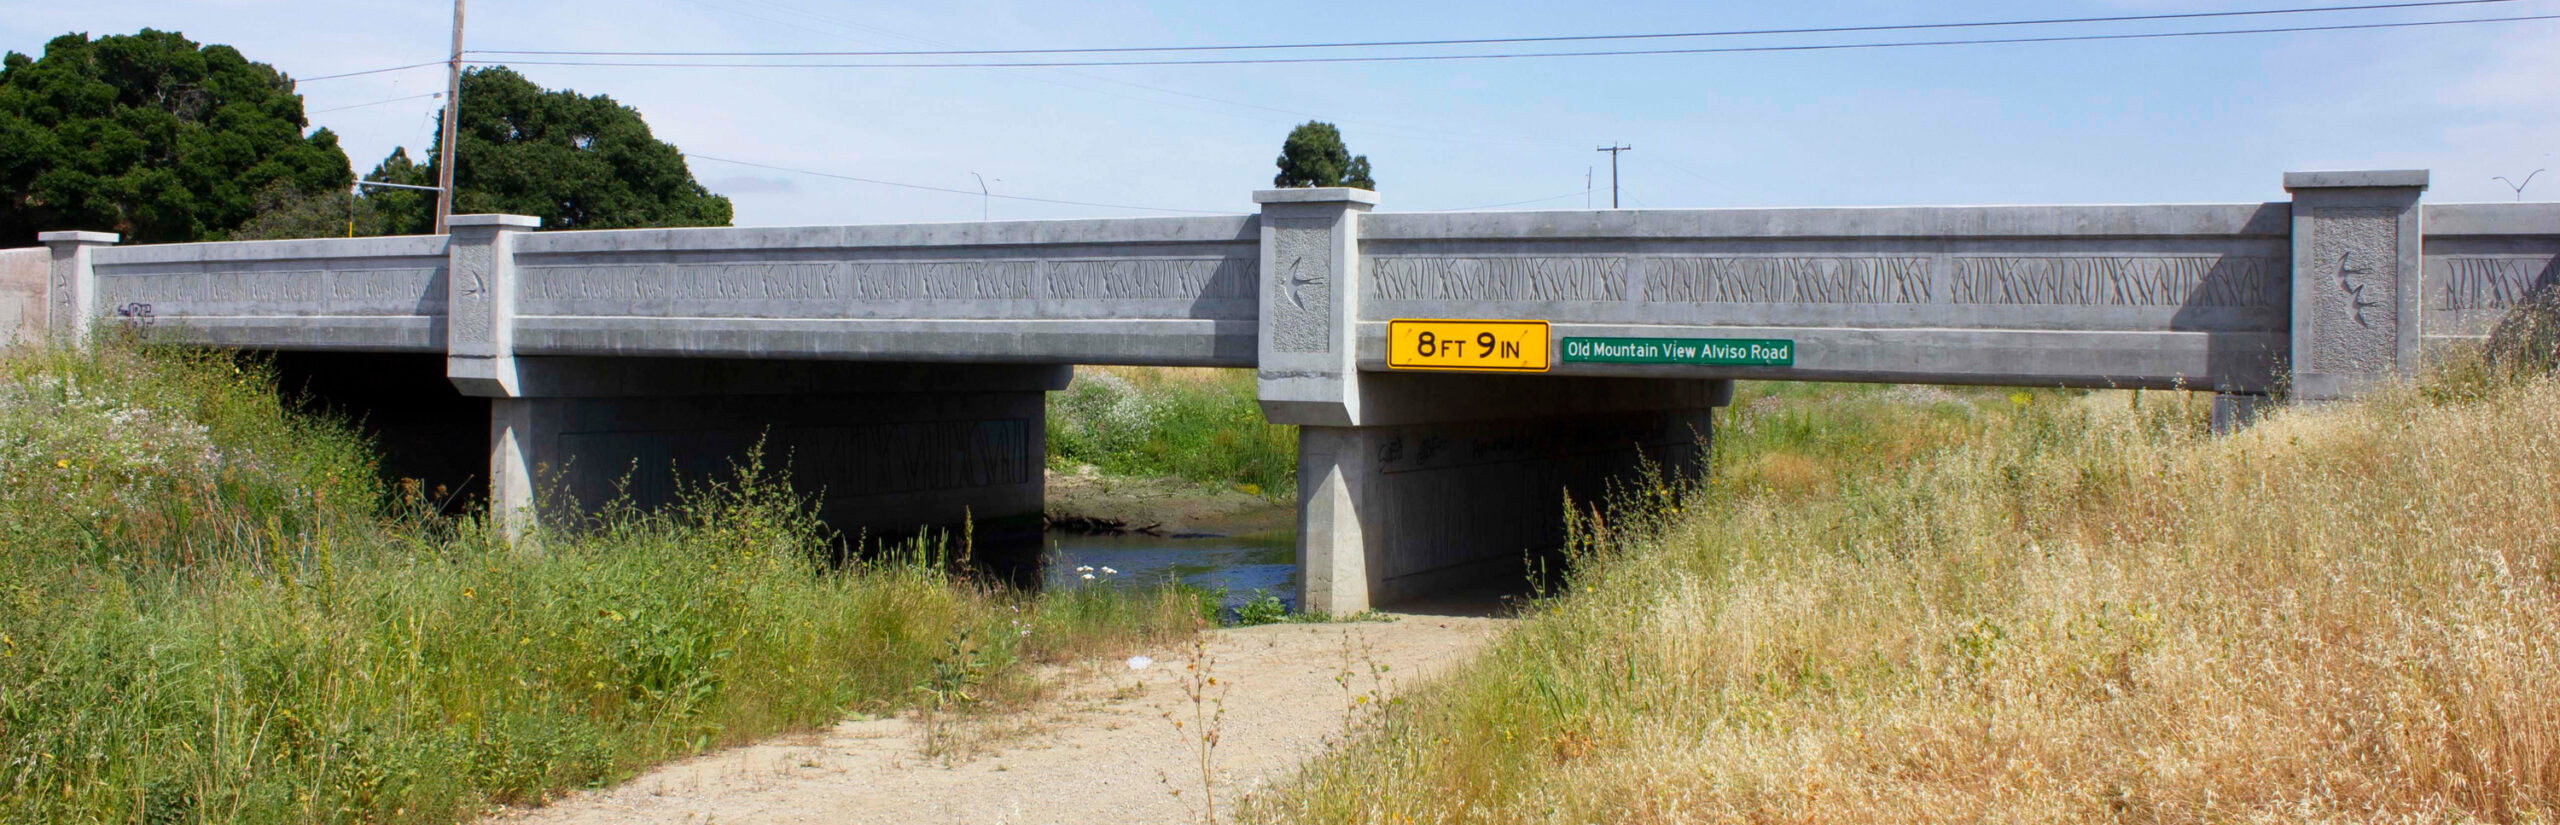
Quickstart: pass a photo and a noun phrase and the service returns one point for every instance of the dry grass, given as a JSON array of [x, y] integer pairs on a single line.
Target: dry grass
[[2086, 609]]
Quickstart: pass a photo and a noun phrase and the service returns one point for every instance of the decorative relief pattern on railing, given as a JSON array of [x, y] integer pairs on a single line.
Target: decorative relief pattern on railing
[[2088, 280], [2488, 282], [838, 282], [781, 281], [1594, 278], [1778, 280], [381, 291], [1153, 278], [2136, 281]]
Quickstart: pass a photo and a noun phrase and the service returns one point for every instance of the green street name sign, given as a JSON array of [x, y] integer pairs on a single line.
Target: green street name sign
[[1721, 352]]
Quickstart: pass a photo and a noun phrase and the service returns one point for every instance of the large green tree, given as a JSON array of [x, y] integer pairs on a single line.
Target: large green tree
[[1313, 155], [575, 161], [151, 136]]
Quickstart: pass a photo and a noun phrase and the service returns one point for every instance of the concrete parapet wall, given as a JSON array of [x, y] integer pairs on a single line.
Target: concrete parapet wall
[[2173, 295], [2482, 259], [2193, 295], [1138, 291], [381, 294], [22, 294]]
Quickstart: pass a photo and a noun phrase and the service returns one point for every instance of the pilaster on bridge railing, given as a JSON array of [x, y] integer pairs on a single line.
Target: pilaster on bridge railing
[[71, 283]]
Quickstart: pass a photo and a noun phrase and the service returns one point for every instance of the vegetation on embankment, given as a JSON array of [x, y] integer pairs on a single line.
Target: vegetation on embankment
[[1196, 424], [207, 615], [2063, 607]]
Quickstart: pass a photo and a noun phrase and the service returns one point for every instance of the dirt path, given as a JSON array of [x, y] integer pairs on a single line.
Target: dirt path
[[1104, 752]]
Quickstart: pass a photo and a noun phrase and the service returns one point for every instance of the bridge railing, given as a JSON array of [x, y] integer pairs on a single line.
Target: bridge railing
[[2350, 279], [383, 294], [2088, 295], [1145, 290], [2482, 259]]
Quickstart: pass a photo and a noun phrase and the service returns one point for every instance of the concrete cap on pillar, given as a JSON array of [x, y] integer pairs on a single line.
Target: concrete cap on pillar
[[499, 221], [77, 236], [2371, 179], [1320, 194]]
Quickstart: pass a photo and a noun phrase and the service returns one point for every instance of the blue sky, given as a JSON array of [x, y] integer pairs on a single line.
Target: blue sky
[[2189, 120]]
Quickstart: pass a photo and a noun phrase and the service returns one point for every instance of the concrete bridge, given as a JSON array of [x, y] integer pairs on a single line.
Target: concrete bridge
[[902, 367]]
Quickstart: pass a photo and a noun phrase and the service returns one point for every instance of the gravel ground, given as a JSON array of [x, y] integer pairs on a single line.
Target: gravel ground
[[1106, 749]]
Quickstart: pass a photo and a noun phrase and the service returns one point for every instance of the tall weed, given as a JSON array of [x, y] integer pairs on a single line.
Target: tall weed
[[2052, 607], [207, 613]]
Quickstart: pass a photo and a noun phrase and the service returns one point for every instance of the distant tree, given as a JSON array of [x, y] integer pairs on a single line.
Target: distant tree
[[1313, 155], [403, 211], [151, 136], [287, 212], [575, 161]]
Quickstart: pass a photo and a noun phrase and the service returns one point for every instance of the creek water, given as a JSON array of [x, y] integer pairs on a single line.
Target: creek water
[[1244, 567]]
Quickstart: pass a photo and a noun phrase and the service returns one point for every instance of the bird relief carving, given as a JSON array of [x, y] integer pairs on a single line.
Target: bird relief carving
[[2348, 270], [1293, 286]]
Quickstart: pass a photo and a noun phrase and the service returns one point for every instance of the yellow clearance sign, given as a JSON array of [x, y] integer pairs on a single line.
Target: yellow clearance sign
[[1468, 346]]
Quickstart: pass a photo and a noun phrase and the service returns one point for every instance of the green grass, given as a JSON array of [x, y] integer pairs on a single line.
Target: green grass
[[1200, 425], [208, 612], [1907, 605]]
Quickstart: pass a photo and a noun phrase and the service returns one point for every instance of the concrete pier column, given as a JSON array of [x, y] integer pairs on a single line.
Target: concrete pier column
[[1452, 481], [71, 286], [2356, 271], [480, 360], [1413, 483]]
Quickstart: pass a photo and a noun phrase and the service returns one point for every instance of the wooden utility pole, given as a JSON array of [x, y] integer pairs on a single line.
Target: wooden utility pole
[[1613, 150], [452, 119]]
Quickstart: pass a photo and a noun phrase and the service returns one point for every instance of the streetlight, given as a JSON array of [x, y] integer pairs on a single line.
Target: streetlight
[[982, 194], [360, 185], [2519, 187]]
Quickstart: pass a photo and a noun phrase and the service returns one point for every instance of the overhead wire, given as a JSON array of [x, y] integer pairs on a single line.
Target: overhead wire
[[371, 71], [1405, 58], [374, 103], [1410, 132], [2125, 18]]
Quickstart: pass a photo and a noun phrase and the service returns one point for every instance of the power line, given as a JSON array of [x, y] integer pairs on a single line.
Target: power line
[[1522, 55], [369, 71], [375, 103], [1411, 132], [953, 191], [1504, 40]]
